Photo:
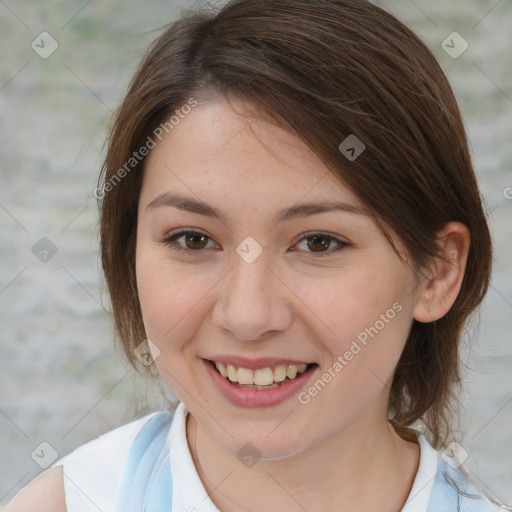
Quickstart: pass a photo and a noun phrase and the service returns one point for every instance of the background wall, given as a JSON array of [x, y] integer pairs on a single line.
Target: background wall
[[61, 380]]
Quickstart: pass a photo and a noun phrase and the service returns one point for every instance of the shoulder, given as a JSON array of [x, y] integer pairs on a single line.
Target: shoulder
[[44, 494], [85, 479], [108, 448]]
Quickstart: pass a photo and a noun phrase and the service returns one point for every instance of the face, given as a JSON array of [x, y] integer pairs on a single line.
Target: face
[[261, 282]]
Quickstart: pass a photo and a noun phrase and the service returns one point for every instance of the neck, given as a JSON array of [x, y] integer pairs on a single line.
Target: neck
[[365, 466]]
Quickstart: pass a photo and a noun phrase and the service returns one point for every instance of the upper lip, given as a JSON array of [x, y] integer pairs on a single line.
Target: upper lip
[[254, 364]]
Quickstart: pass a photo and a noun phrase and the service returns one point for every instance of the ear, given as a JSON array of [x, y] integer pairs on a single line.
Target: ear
[[439, 289]]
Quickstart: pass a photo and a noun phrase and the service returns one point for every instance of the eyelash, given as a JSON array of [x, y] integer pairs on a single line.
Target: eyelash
[[170, 241]]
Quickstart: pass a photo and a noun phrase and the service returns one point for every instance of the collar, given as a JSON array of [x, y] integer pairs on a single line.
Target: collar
[[189, 493]]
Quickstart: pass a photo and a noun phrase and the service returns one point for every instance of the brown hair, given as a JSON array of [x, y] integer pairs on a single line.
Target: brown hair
[[324, 70]]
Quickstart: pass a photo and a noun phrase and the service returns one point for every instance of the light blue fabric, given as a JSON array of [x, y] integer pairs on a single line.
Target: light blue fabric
[[452, 493], [146, 484]]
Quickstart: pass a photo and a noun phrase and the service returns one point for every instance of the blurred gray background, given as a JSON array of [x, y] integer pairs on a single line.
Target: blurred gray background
[[61, 379]]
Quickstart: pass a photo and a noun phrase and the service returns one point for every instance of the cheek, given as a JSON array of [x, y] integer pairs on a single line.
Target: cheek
[[170, 303], [361, 361], [353, 299], [169, 297], [368, 311]]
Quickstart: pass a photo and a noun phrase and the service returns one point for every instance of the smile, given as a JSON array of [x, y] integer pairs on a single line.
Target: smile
[[261, 378], [260, 386]]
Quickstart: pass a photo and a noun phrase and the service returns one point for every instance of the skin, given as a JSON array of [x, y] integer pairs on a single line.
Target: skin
[[44, 494], [290, 303]]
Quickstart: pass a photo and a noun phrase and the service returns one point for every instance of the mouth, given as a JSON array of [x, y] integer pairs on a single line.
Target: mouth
[[261, 379]]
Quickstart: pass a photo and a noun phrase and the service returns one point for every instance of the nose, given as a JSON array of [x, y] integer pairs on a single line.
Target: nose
[[252, 301]]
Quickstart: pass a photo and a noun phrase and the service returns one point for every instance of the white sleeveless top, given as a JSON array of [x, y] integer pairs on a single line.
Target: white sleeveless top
[[92, 473]]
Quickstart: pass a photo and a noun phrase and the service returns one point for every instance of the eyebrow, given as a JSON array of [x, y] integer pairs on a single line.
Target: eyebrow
[[192, 205]]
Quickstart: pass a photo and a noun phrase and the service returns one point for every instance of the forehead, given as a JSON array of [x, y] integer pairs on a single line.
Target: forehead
[[228, 147]]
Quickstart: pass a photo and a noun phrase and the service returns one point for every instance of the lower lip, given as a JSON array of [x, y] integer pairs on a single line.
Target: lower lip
[[244, 397]]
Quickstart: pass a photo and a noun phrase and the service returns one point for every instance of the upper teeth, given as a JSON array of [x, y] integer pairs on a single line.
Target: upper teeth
[[261, 376]]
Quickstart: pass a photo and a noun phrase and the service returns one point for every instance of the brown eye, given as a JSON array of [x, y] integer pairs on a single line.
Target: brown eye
[[319, 244], [193, 241]]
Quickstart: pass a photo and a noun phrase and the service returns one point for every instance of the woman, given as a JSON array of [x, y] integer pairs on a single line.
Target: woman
[[293, 237]]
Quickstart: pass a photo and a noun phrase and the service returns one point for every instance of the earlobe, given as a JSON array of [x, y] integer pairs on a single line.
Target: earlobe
[[440, 288]]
